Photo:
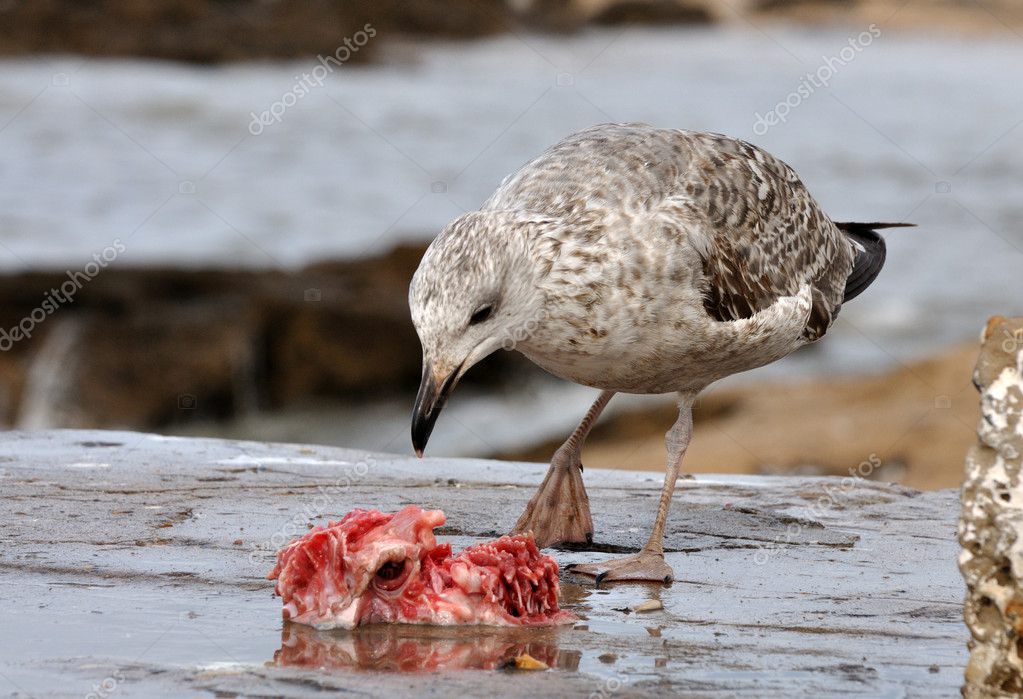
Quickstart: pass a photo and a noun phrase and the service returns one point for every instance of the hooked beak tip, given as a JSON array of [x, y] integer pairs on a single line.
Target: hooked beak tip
[[433, 393]]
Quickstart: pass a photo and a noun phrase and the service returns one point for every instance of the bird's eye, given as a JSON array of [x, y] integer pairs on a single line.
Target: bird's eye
[[481, 314]]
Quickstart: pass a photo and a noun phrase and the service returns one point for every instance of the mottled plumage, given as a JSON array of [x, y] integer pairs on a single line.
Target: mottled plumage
[[759, 233], [641, 260]]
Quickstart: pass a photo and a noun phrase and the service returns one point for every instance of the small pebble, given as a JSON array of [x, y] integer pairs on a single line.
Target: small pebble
[[650, 605], [528, 662]]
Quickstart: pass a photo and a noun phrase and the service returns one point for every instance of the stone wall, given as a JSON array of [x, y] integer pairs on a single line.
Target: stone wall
[[991, 528]]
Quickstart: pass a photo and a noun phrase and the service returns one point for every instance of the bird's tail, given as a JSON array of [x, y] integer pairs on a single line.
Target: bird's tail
[[870, 254]]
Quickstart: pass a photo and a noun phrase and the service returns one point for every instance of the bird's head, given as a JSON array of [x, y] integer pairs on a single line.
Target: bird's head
[[475, 292]]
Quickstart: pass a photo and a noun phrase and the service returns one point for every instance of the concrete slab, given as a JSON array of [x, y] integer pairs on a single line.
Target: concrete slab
[[133, 565]]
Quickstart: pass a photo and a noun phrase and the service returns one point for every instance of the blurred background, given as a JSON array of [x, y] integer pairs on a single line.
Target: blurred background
[[210, 211]]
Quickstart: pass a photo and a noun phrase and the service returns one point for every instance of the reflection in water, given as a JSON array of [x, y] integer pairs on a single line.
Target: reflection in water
[[407, 648]]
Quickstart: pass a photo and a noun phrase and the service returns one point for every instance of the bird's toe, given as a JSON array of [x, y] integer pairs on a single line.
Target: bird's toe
[[559, 512], [642, 567]]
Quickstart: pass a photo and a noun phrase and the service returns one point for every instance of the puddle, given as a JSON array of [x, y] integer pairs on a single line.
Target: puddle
[[389, 648], [638, 601], [409, 648]]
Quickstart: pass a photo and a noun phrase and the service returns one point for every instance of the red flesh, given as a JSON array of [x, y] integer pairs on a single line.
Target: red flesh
[[372, 567]]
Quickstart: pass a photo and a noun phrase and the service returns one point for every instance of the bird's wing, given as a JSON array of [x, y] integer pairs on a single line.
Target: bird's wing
[[760, 234]]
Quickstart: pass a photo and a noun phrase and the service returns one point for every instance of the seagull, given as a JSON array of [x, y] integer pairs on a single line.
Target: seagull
[[633, 259]]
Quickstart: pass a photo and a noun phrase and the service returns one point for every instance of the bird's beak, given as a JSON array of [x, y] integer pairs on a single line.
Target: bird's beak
[[434, 390]]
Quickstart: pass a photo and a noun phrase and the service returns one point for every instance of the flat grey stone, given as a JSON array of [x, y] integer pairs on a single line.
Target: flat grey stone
[[138, 562]]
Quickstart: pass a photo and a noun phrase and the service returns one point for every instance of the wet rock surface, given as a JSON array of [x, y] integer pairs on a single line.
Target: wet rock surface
[[136, 563], [991, 528]]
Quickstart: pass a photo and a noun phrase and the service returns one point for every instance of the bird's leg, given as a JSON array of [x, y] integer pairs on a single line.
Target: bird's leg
[[560, 509], [649, 563]]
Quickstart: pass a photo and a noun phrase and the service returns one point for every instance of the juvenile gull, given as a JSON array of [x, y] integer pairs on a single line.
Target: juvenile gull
[[634, 260]]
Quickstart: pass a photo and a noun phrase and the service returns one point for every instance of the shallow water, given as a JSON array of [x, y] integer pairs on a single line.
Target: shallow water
[[414, 649], [143, 640], [215, 635], [161, 155]]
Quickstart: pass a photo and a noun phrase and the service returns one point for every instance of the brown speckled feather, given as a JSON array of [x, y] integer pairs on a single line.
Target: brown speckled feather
[[758, 231]]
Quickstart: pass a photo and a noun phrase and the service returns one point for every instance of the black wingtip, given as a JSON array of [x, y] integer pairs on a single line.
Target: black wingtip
[[869, 258], [857, 226]]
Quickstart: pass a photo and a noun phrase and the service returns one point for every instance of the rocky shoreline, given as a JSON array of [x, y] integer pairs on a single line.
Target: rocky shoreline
[[203, 31]]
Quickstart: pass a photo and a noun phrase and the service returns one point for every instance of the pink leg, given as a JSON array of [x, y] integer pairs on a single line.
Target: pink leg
[[560, 509], [649, 563]]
